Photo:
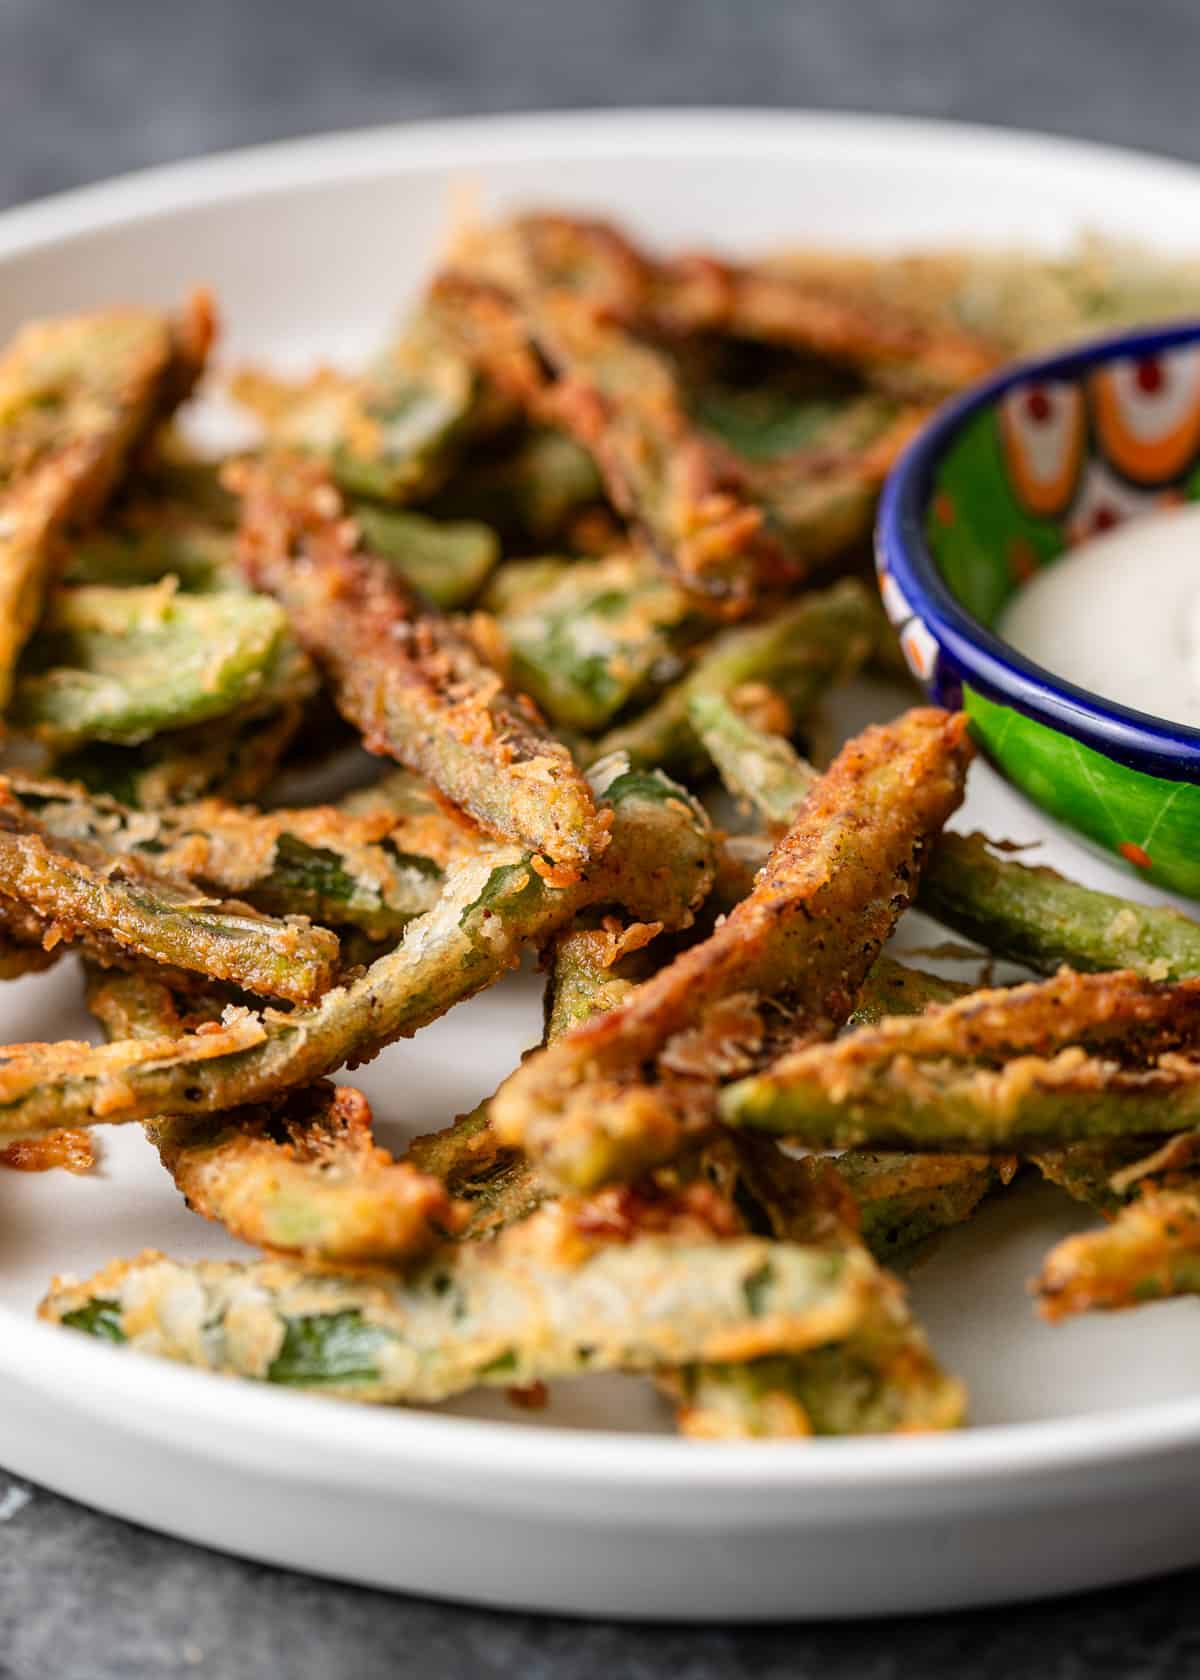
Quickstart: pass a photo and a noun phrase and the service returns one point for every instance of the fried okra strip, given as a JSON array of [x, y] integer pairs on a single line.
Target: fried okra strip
[[1036, 917], [76, 397], [602, 636], [801, 651], [387, 434], [315, 861], [618, 1094], [1148, 1252], [493, 905], [415, 687], [539, 1302], [80, 891], [120, 665], [620, 399]]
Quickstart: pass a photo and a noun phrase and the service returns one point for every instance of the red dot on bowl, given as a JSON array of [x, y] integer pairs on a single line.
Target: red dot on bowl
[[1105, 517], [1135, 854], [943, 508], [1037, 405], [1151, 376], [1022, 561]]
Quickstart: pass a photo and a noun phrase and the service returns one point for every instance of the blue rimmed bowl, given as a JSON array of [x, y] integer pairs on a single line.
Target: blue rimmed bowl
[[1000, 484]]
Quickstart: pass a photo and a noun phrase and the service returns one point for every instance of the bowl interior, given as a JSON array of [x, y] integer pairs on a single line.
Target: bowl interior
[[1054, 459]]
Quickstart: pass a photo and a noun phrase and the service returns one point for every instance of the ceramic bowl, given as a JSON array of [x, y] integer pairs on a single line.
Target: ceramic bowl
[[999, 485]]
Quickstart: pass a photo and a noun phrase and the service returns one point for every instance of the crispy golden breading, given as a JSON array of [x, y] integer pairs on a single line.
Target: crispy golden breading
[[404, 676], [787, 962]]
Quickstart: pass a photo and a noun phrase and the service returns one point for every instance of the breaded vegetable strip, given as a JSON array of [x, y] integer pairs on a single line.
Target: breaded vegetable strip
[[539, 1302], [386, 434], [895, 349], [446, 561], [414, 687], [235, 760], [1086, 1171], [799, 653], [76, 396], [763, 769], [80, 892], [896, 988], [881, 1379], [491, 907], [905, 1198], [617, 1095], [529, 493], [302, 1175], [1150, 1250], [602, 636], [1067, 1097], [121, 665], [151, 543], [1036, 917], [316, 861], [618, 397]]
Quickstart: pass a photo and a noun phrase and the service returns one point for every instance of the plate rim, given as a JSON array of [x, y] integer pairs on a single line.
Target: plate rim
[[284, 1428]]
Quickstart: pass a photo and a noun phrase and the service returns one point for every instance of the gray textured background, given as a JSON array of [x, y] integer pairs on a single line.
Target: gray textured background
[[92, 87]]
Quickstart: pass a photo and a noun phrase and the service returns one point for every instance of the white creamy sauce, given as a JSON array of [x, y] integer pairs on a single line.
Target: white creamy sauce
[[1120, 615]]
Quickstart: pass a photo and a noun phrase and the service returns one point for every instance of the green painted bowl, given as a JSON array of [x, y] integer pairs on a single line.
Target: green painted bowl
[[1002, 482]]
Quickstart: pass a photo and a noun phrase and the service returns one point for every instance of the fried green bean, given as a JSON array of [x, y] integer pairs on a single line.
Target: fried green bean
[[762, 769], [76, 396], [302, 1174], [1148, 1252], [316, 861], [120, 665], [1065, 1098], [530, 492], [83, 893], [885, 1381], [235, 762], [618, 1094], [540, 1301], [1036, 917], [604, 635], [551, 352], [880, 1379], [896, 988], [800, 652], [412, 684], [895, 348], [906, 1198], [492, 905], [152, 543], [388, 434], [447, 561]]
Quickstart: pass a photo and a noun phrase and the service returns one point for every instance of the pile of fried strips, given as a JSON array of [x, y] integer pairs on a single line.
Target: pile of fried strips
[[577, 558]]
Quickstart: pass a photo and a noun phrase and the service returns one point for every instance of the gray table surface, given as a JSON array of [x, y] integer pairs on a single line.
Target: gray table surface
[[89, 88]]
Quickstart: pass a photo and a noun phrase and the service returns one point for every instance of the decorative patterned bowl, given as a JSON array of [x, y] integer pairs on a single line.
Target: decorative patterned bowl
[[1001, 483]]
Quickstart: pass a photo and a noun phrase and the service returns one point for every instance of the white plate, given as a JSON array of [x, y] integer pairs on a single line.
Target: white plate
[[1083, 1463]]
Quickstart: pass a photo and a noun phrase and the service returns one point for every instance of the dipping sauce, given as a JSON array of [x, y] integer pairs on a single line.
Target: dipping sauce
[[1120, 615]]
